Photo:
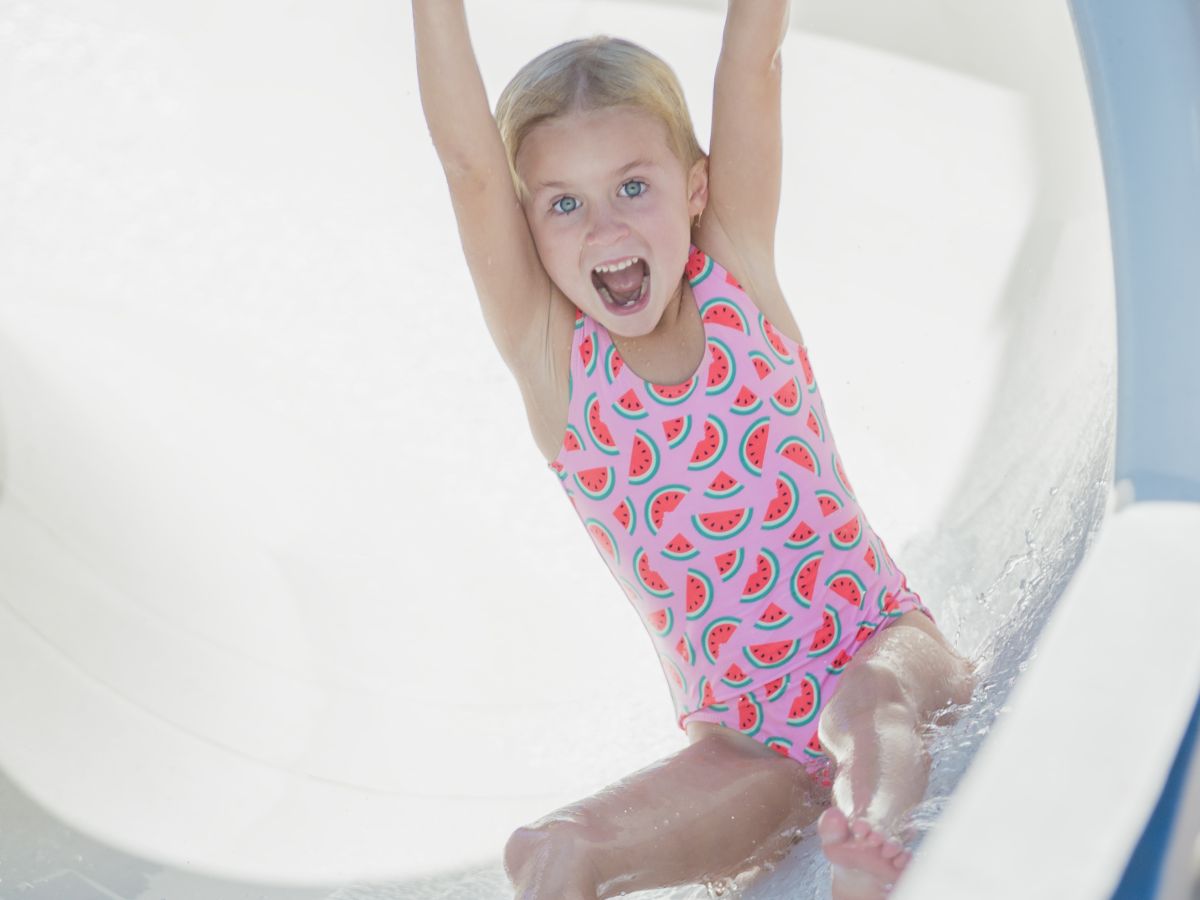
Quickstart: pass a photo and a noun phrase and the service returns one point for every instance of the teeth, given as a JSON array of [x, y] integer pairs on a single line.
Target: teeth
[[615, 302], [618, 267]]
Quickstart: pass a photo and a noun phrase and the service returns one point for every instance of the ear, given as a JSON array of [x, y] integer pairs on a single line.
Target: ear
[[698, 187]]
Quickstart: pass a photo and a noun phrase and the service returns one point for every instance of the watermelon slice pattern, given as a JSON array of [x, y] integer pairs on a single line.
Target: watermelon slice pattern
[[721, 505]]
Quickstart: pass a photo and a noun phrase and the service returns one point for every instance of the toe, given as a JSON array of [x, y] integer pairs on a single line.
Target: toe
[[832, 826], [860, 829], [890, 849]]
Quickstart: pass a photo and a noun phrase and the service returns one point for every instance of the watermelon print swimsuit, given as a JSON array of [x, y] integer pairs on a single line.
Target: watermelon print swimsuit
[[722, 508]]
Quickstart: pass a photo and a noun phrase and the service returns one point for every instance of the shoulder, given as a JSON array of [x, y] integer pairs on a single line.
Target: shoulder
[[754, 268]]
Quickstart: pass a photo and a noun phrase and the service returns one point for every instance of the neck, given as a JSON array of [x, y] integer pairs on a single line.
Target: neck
[[668, 327], [673, 311]]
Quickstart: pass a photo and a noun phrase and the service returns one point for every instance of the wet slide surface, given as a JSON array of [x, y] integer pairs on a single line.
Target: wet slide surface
[[238, 342]]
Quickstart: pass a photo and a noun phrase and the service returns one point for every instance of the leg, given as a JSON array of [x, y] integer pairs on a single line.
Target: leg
[[717, 808], [894, 686]]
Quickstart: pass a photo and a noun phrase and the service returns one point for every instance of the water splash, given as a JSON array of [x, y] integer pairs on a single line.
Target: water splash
[[1003, 617]]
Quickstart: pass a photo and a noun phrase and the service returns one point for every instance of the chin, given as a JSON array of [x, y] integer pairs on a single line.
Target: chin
[[639, 325]]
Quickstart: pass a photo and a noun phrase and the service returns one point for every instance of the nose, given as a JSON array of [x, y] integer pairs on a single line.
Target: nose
[[607, 227]]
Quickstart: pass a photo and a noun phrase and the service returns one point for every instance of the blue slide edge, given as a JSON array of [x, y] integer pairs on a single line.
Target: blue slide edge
[[1144, 871], [1142, 62]]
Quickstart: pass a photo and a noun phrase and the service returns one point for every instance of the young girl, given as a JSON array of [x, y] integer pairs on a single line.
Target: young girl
[[628, 281]]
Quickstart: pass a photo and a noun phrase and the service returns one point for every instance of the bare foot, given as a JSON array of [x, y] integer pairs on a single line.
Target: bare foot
[[866, 862]]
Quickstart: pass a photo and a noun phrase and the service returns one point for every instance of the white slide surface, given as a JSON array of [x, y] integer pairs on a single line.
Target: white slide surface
[[287, 592]]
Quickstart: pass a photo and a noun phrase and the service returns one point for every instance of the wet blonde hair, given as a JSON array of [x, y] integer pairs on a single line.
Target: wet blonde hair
[[591, 74]]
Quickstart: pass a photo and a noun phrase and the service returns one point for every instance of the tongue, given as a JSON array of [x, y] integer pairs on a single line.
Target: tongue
[[626, 284]]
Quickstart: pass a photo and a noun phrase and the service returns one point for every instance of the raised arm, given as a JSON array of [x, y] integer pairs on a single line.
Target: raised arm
[[513, 287], [452, 93], [746, 148]]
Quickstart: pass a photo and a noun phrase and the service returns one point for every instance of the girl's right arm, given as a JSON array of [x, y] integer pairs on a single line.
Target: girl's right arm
[[514, 289]]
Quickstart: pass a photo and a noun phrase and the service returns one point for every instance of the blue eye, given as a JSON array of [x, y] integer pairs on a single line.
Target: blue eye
[[554, 205], [575, 203]]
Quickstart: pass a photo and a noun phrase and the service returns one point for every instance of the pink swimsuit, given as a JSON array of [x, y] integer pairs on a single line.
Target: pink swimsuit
[[723, 510]]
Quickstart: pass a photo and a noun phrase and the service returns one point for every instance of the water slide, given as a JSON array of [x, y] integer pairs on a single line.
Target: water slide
[[288, 598]]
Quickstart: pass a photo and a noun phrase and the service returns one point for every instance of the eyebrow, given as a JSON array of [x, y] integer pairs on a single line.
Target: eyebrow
[[620, 171]]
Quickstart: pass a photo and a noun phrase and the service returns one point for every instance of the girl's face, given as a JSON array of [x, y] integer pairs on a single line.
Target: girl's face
[[603, 187]]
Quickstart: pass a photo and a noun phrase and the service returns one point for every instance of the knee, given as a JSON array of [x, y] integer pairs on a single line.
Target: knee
[[964, 680], [521, 845], [868, 689], [872, 698], [528, 843]]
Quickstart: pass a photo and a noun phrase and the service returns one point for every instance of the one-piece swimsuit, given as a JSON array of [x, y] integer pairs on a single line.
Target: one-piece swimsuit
[[722, 508]]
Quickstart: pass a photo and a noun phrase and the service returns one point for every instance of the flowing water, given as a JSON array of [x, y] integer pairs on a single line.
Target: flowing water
[[175, 220]]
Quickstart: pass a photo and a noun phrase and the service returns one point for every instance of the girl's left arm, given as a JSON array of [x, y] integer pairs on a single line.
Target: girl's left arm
[[746, 147]]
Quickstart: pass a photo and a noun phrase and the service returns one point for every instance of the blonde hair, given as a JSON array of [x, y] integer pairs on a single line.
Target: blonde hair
[[591, 74]]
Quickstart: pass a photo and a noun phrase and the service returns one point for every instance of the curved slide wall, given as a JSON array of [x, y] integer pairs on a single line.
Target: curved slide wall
[[286, 591], [1117, 824]]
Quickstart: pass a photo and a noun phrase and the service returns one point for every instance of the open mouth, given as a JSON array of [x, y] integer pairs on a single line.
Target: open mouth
[[625, 301]]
